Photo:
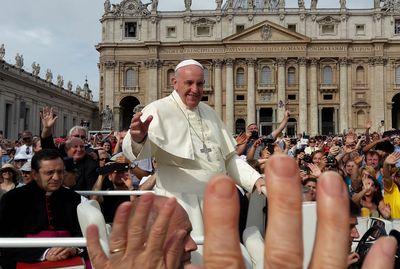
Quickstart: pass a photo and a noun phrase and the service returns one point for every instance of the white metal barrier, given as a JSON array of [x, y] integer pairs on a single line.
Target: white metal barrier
[[113, 193], [23, 242]]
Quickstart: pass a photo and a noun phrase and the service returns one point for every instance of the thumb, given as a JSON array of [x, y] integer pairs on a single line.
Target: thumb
[[148, 121]]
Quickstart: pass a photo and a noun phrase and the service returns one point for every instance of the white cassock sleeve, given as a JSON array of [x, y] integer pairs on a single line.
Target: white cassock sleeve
[[136, 151], [244, 175]]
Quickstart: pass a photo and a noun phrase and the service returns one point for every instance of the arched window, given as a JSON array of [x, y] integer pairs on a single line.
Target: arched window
[[170, 74], [360, 119], [266, 75], [398, 75], [327, 75], [360, 75], [131, 79], [240, 76], [291, 78], [206, 77]]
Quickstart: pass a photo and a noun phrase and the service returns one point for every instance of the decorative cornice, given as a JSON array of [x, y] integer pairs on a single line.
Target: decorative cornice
[[153, 63]]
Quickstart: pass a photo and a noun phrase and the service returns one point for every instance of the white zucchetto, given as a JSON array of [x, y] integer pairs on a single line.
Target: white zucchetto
[[188, 62]]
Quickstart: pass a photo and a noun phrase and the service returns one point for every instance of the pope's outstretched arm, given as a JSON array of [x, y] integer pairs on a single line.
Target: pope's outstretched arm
[[136, 142]]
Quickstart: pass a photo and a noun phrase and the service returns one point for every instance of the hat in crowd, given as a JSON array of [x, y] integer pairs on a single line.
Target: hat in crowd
[[21, 155], [120, 158], [188, 62], [9, 166], [26, 167], [334, 150]]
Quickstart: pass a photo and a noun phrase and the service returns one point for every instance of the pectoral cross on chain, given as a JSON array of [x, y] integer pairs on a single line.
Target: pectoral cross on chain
[[206, 150]]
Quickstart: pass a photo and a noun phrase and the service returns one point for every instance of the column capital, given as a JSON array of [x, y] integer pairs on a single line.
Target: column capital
[[153, 63], [343, 61], [229, 62], [302, 61], [218, 63], [251, 61], [314, 61], [109, 64], [380, 60], [281, 61]]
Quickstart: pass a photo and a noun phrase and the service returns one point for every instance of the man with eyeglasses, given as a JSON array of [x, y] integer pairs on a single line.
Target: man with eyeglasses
[[311, 146], [26, 147]]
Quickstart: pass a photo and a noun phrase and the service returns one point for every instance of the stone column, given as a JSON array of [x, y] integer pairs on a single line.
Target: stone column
[[117, 124], [2, 113], [313, 97], [251, 94], [281, 62], [152, 85], [343, 113], [303, 95], [378, 103], [218, 87], [229, 105], [109, 86]]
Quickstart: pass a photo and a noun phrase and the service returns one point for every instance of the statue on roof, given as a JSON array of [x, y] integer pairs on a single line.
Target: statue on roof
[[281, 4], [107, 6], [154, 5], [188, 4], [300, 4], [69, 85], [219, 4], [60, 81], [78, 90], [314, 4], [2, 52], [19, 61], [250, 4], [35, 69], [49, 75], [342, 4]]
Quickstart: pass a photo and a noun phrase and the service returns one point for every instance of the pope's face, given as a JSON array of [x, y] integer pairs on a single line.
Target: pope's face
[[188, 83]]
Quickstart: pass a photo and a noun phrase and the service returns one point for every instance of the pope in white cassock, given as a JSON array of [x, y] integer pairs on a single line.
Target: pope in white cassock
[[189, 142]]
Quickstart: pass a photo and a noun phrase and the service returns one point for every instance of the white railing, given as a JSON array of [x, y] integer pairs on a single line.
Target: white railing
[[22, 242], [113, 193]]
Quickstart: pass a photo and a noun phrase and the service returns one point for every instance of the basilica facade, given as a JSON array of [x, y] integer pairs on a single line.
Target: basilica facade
[[334, 69]]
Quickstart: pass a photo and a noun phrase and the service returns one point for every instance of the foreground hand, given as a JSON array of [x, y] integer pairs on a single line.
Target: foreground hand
[[139, 129], [60, 253], [352, 258], [133, 246]]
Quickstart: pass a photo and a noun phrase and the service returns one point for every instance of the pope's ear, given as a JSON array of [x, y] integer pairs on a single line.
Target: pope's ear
[[174, 81]]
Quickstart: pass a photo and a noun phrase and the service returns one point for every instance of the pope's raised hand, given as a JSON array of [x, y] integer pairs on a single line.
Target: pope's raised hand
[[139, 129]]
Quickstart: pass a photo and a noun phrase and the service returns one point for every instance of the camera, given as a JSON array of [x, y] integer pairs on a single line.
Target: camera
[[254, 135], [113, 166], [307, 158]]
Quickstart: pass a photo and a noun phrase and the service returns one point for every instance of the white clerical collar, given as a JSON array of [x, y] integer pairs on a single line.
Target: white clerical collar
[[180, 103]]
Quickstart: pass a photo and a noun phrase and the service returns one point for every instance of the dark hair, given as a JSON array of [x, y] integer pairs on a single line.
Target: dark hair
[[311, 179], [46, 155], [354, 209]]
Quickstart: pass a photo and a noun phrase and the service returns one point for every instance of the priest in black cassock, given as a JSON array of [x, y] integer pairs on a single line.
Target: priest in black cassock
[[41, 208]]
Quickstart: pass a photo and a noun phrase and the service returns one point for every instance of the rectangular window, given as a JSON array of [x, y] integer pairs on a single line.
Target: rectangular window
[[360, 29], [328, 97], [130, 29], [171, 31], [204, 98], [239, 28], [328, 29], [240, 97], [292, 27], [291, 97], [397, 26], [203, 30]]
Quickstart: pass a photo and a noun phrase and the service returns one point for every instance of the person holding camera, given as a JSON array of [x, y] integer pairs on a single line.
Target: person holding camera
[[114, 175]]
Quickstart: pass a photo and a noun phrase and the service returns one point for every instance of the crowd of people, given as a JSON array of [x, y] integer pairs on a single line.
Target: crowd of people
[[179, 148]]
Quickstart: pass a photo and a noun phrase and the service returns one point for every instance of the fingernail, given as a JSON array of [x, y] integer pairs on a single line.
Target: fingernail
[[223, 188], [146, 198], [282, 166], [332, 184], [390, 246]]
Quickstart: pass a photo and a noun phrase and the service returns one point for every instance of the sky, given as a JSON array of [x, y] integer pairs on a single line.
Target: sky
[[61, 34]]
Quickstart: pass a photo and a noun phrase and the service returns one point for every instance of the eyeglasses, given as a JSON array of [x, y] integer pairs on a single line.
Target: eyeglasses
[[80, 136]]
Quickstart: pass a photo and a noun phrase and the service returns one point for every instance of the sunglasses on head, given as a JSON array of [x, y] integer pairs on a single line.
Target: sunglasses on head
[[80, 136]]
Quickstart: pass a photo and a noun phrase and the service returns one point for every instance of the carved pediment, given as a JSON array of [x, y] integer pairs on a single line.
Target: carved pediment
[[361, 104], [328, 20], [267, 31], [203, 21], [130, 8]]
